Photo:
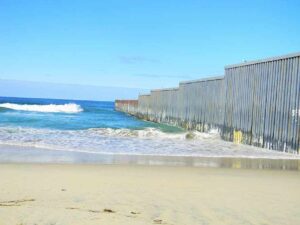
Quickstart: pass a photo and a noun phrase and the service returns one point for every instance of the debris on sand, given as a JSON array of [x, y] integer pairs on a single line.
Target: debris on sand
[[108, 211]]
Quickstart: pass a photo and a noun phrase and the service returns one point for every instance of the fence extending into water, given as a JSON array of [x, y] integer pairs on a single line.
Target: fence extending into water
[[127, 106], [255, 103]]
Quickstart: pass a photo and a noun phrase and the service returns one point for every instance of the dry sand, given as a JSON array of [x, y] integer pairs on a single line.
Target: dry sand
[[110, 194]]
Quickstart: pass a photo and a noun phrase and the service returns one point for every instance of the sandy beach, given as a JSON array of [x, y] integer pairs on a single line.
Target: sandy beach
[[130, 194]]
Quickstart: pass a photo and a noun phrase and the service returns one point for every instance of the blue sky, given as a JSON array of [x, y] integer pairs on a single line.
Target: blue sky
[[139, 44]]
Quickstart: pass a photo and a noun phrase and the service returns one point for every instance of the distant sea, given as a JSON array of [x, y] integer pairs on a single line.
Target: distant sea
[[95, 127]]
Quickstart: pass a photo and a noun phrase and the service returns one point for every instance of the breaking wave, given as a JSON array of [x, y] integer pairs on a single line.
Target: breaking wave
[[154, 133], [52, 108], [149, 141]]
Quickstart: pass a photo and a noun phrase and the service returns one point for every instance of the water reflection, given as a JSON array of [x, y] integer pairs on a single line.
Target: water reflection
[[12, 154]]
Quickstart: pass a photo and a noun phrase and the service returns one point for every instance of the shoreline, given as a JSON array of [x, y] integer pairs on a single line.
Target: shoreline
[[29, 155]]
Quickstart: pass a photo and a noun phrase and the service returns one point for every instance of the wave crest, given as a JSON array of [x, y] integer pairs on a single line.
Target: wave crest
[[154, 133], [52, 108], [132, 142]]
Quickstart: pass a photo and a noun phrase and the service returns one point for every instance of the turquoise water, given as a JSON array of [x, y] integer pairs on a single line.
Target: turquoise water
[[84, 126], [73, 115]]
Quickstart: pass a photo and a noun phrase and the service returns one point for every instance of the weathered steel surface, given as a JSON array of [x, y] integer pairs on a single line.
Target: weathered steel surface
[[127, 106], [202, 103], [144, 107], [256, 103], [262, 103], [197, 104]]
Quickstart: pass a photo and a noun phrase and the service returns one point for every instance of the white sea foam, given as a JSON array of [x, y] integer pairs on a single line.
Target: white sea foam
[[149, 141], [155, 133], [52, 108], [143, 133]]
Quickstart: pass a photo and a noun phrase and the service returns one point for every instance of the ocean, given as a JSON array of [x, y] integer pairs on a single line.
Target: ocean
[[94, 127]]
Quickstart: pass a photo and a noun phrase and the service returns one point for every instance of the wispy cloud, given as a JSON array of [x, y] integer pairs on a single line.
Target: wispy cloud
[[137, 59], [163, 76]]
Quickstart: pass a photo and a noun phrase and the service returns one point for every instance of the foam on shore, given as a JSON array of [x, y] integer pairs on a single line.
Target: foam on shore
[[149, 141]]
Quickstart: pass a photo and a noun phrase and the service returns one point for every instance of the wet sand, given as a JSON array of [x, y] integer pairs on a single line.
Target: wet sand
[[16, 154], [131, 194]]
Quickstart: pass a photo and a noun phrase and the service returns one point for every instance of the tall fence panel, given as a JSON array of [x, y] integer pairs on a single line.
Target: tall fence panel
[[163, 105], [127, 106], [144, 108], [262, 103], [256, 103], [202, 103], [195, 104]]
